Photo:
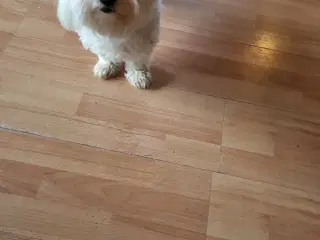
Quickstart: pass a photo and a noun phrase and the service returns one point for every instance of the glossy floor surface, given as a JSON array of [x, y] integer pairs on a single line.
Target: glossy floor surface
[[225, 146]]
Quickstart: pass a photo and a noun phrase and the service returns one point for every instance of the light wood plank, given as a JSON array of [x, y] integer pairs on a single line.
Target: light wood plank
[[271, 146], [95, 162], [167, 147], [12, 13], [200, 120], [245, 209], [19, 91], [12, 177]]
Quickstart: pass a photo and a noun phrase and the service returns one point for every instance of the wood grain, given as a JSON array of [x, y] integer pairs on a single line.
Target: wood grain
[[225, 146], [70, 175], [91, 161], [270, 145], [258, 210]]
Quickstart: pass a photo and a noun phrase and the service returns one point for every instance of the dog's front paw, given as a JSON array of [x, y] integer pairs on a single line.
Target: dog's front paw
[[106, 70], [139, 78]]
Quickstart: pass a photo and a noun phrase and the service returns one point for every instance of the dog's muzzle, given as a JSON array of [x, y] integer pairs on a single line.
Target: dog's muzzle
[[108, 6]]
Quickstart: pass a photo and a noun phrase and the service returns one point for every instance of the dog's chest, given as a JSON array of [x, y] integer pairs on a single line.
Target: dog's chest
[[104, 45]]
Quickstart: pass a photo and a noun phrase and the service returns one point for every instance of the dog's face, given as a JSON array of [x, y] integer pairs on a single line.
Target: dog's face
[[106, 16], [119, 10]]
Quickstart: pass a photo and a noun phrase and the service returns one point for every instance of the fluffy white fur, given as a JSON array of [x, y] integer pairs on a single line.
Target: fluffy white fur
[[128, 35]]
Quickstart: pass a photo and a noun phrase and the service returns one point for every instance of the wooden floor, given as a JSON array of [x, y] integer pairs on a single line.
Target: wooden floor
[[226, 146]]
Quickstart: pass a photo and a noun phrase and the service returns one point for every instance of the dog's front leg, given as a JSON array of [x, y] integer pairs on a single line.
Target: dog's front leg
[[107, 67], [65, 16], [138, 74]]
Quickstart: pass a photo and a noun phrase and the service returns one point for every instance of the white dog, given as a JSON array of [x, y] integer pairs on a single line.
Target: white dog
[[116, 31]]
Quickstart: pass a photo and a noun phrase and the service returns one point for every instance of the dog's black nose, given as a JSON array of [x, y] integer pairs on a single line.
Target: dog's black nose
[[108, 2], [108, 5]]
